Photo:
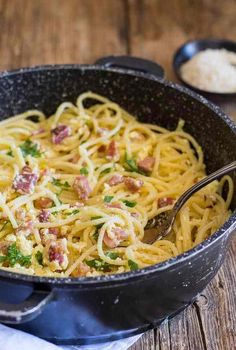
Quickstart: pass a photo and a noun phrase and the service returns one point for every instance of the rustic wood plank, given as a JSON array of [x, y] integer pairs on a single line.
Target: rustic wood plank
[[37, 32]]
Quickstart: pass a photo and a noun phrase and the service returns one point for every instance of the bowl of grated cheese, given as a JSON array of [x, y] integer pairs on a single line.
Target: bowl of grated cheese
[[207, 66]]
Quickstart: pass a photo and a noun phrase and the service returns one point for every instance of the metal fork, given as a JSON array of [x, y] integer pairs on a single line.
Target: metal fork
[[161, 225]]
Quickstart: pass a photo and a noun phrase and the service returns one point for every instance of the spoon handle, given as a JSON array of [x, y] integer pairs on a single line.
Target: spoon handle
[[208, 179]]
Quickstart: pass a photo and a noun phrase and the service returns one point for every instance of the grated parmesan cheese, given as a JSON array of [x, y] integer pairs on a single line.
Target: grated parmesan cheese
[[211, 70]]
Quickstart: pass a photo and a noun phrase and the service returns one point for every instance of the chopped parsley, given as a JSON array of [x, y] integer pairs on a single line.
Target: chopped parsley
[[108, 199], [96, 234], [112, 255], [59, 183], [99, 265], [132, 265], [30, 148], [84, 171], [95, 218], [106, 171], [14, 256], [75, 211], [9, 153], [39, 257], [129, 204], [131, 165]]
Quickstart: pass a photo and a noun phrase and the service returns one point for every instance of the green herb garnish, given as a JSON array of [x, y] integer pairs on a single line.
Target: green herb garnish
[[112, 255], [14, 256], [99, 265], [39, 257], [84, 171], [131, 165], [106, 171], [132, 265], [75, 211], [108, 199], [30, 148], [96, 234], [59, 183], [129, 204], [9, 153], [95, 218]]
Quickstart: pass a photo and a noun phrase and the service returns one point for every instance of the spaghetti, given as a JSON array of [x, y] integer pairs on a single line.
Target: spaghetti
[[78, 188]]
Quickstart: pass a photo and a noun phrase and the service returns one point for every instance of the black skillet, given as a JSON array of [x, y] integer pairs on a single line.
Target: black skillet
[[90, 310]]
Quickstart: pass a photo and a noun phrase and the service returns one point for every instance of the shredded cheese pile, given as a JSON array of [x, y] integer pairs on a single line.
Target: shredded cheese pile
[[211, 70]]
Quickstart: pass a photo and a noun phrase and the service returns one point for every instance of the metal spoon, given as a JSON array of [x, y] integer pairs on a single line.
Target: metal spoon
[[161, 225]]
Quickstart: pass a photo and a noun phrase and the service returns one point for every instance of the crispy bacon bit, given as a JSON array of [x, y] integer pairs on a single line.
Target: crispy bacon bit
[[75, 159], [53, 231], [112, 151], [43, 203], [163, 202], [25, 182], [146, 164], [81, 270], [38, 131], [4, 247], [116, 236], [81, 186], [43, 215], [60, 133], [114, 205], [133, 185], [135, 215], [102, 149], [77, 205], [56, 253], [115, 180]]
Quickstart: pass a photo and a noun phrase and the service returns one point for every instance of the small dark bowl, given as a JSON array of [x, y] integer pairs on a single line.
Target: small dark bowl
[[190, 49]]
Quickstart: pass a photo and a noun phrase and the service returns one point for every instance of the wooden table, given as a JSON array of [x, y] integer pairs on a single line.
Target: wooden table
[[37, 32]]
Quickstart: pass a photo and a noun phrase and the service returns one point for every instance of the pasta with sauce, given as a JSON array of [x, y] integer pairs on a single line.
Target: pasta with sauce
[[77, 189]]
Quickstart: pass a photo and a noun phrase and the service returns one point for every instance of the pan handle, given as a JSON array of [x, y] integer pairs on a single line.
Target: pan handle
[[132, 63], [25, 311]]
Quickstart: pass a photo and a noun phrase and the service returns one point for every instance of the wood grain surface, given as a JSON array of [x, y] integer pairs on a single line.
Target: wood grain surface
[[37, 32]]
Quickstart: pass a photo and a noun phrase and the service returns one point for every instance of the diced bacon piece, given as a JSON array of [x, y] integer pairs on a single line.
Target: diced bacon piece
[[75, 159], [25, 182], [146, 164], [102, 149], [81, 270], [53, 231], [82, 187], [60, 133], [116, 236], [163, 202], [112, 151], [57, 254], [43, 203], [38, 131], [77, 205], [4, 247], [114, 205], [43, 215], [115, 180], [133, 185]]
